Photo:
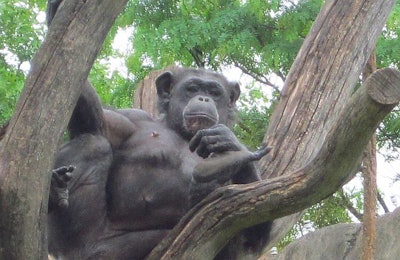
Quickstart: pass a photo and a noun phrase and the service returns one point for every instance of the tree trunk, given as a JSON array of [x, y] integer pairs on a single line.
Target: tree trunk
[[43, 111], [320, 83]]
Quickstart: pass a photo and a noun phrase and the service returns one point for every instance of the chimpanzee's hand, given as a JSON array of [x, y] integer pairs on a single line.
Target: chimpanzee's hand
[[59, 188], [216, 139]]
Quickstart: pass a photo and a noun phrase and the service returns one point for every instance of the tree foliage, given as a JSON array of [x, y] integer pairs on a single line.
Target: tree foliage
[[259, 37], [388, 55], [22, 30], [20, 36]]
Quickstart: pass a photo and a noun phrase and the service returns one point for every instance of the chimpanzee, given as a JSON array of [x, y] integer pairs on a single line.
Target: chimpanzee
[[133, 177], [52, 6]]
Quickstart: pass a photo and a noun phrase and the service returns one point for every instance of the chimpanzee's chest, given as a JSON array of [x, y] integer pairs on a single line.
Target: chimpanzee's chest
[[150, 178]]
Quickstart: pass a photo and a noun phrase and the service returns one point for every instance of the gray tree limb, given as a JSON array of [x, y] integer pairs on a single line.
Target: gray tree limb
[[206, 229], [344, 241]]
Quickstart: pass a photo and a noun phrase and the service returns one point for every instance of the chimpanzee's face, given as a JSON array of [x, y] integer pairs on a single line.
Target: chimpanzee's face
[[196, 102]]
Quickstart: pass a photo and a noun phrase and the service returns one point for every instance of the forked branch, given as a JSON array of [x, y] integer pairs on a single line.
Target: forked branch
[[208, 226]]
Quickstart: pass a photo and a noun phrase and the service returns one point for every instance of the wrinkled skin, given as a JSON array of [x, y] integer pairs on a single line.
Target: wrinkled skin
[[125, 179]]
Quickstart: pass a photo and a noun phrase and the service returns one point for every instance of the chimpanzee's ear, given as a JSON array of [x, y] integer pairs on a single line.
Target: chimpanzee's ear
[[235, 91], [164, 84], [164, 87]]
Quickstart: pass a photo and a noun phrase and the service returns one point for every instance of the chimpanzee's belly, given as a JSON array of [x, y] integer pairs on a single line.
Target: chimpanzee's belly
[[149, 183]]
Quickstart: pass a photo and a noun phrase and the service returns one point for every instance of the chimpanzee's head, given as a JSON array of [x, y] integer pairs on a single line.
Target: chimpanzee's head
[[194, 99]]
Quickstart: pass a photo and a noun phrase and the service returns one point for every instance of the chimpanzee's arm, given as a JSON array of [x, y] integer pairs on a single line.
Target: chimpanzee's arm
[[234, 165], [225, 157], [87, 116], [52, 6], [229, 159]]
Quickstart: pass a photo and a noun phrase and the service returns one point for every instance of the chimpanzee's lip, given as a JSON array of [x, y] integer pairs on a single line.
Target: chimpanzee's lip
[[196, 121], [198, 115]]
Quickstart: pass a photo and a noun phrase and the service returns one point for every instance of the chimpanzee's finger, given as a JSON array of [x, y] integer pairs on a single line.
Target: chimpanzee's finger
[[196, 139], [63, 170], [202, 149], [217, 130], [62, 175], [219, 147], [57, 180], [262, 152]]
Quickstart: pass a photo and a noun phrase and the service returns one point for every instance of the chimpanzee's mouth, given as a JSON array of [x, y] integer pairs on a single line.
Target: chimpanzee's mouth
[[197, 121]]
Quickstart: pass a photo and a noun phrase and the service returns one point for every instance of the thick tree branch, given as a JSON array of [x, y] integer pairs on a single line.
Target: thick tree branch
[[206, 229], [344, 241], [51, 90], [319, 84]]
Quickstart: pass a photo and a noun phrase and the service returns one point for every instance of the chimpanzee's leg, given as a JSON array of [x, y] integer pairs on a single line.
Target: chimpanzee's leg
[[127, 245], [84, 218]]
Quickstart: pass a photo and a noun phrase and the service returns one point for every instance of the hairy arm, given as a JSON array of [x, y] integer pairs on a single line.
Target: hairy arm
[[52, 6], [88, 116], [225, 157], [121, 124]]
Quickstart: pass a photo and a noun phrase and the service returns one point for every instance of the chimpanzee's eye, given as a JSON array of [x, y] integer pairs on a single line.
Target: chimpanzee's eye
[[192, 89], [215, 93]]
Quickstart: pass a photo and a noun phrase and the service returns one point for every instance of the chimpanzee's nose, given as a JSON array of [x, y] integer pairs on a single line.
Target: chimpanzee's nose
[[203, 99]]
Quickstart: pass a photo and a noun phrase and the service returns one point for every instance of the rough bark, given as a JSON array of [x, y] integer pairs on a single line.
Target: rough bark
[[43, 110], [370, 195], [206, 229], [370, 185], [344, 241], [320, 83], [321, 80]]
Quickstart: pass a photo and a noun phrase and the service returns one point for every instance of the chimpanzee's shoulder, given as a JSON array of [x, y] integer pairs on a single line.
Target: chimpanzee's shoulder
[[135, 115]]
